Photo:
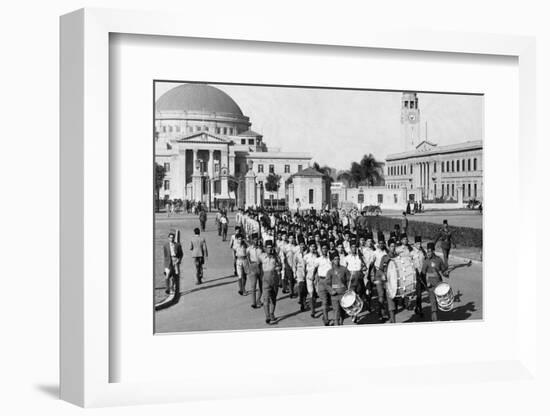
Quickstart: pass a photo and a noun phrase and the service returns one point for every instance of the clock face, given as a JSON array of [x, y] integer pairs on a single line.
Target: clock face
[[412, 117]]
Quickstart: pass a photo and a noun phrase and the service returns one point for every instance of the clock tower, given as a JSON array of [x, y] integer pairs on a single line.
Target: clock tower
[[410, 121]]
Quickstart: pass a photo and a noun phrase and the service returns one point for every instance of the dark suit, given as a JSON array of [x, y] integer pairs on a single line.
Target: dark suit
[[172, 265]]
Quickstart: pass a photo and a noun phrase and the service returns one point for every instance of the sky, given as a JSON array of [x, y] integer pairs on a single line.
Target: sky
[[337, 127]]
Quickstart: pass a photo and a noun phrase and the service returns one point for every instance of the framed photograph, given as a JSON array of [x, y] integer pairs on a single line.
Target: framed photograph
[[235, 206]]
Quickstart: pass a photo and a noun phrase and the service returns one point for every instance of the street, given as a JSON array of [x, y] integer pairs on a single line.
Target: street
[[216, 305]]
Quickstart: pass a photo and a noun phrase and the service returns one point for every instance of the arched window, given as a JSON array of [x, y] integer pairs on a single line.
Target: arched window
[[469, 169], [458, 165], [442, 166], [447, 168], [452, 166], [475, 165], [435, 170]]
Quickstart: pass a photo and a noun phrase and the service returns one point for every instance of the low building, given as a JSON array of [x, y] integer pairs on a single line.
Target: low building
[[432, 172]]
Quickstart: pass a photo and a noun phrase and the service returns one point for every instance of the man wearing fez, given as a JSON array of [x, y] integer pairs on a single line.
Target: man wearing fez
[[433, 268], [418, 255], [446, 237], [253, 254], [392, 253], [380, 255], [173, 255], [270, 265], [199, 252], [337, 280], [299, 272], [322, 266], [355, 264], [310, 259]]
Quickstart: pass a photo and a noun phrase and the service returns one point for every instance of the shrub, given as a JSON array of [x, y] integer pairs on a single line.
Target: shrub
[[463, 236]]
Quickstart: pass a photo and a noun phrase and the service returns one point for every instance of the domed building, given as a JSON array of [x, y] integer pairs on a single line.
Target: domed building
[[210, 152]]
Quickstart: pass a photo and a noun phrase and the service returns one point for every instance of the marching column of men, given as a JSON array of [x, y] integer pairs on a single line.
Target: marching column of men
[[312, 256]]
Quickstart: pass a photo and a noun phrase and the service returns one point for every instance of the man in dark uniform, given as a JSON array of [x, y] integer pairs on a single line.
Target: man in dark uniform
[[337, 281], [173, 255], [382, 278], [202, 219], [418, 255], [322, 266], [433, 268], [446, 237], [271, 267]]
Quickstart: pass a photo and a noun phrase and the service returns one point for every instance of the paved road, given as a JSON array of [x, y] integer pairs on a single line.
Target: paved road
[[216, 305]]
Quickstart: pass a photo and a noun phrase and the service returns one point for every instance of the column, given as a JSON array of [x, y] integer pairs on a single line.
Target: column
[[195, 157], [183, 173], [211, 163], [196, 178], [428, 180]]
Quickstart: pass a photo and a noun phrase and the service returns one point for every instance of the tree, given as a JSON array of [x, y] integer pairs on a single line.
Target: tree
[[160, 173], [368, 171], [272, 182]]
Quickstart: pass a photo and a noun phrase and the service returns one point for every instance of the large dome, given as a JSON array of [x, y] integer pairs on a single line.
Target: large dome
[[198, 98]]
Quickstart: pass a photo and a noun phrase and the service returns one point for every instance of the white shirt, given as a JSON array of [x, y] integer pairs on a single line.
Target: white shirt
[[354, 262], [323, 265], [368, 255], [378, 254]]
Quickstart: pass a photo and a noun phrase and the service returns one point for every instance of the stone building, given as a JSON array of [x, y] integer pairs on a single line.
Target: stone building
[[430, 172], [211, 154]]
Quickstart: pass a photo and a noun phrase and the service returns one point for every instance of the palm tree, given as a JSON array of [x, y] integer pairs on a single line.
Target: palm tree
[[368, 171], [160, 173]]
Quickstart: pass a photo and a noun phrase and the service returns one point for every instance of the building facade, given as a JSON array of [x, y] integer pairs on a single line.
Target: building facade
[[429, 172], [209, 152], [432, 172]]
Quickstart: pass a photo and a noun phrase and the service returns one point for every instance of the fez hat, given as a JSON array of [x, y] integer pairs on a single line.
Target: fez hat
[[391, 241], [269, 243], [172, 232], [417, 239], [445, 222], [393, 234], [431, 245], [334, 255], [381, 238], [402, 236], [369, 236]]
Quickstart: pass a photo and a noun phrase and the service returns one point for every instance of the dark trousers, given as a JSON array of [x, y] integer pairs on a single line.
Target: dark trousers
[[199, 261], [224, 232], [270, 290], [255, 280], [289, 281], [219, 228], [338, 311], [446, 252], [325, 303], [203, 225], [420, 287], [302, 293]]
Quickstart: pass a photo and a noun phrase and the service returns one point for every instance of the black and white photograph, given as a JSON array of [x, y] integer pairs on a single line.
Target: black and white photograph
[[283, 206]]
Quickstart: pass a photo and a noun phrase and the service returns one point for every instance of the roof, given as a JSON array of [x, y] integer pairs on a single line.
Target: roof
[[452, 148], [198, 98], [250, 133], [308, 173]]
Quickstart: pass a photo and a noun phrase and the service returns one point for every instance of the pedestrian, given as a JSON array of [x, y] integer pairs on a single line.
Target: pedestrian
[[322, 265], [241, 264], [445, 235], [355, 264], [337, 280], [173, 255], [310, 259], [199, 253], [418, 255], [202, 219], [253, 254], [270, 266], [299, 271], [404, 222], [218, 222], [223, 223], [433, 268]]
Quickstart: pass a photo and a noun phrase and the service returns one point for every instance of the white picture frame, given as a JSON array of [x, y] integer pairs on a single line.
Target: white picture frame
[[85, 221]]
